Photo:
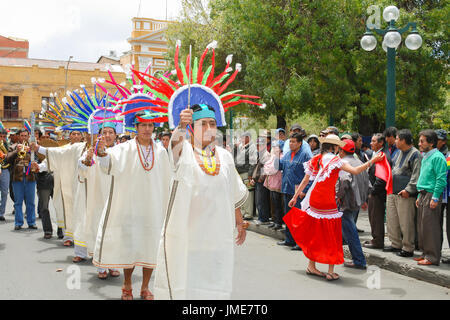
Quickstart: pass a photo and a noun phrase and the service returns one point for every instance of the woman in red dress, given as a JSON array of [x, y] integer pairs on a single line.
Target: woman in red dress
[[316, 228]]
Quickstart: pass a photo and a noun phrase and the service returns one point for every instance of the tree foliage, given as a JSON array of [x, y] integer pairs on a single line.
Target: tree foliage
[[305, 57]]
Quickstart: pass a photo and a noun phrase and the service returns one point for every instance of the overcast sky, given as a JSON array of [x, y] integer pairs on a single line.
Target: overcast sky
[[84, 29]]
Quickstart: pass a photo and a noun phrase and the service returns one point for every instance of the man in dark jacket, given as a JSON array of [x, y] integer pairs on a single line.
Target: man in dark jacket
[[4, 175], [44, 184], [23, 182], [262, 194], [377, 197], [245, 158], [400, 213]]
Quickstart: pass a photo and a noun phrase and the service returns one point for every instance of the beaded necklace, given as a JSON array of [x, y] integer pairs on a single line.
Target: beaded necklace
[[145, 164], [208, 162]]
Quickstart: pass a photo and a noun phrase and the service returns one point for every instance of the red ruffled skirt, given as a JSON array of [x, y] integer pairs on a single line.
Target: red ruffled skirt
[[320, 239]]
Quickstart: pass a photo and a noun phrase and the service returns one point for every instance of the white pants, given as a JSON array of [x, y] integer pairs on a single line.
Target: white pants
[[99, 270], [81, 252]]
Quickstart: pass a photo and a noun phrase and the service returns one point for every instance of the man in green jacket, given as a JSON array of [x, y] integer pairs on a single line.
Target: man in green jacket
[[431, 184]]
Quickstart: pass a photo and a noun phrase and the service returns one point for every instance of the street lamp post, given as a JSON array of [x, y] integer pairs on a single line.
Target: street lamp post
[[392, 37], [67, 68]]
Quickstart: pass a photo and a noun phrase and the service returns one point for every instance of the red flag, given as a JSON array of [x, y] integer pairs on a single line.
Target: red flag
[[384, 172]]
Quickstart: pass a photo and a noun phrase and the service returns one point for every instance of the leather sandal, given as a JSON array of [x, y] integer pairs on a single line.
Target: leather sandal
[[147, 295], [311, 273], [78, 259], [68, 243], [113, 273], [331, 276], [103, 275], [127, 294]]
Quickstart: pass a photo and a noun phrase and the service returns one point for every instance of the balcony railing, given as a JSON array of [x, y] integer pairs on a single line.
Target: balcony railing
[[11, 114]]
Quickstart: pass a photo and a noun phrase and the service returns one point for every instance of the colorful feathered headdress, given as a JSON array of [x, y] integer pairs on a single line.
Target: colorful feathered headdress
[[205, 87], [78, 112], [139, 97]]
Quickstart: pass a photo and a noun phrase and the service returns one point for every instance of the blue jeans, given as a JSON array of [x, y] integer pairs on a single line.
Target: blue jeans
[[350, 235], [24, 190], [287, 198], [262, 200], [4, 187]]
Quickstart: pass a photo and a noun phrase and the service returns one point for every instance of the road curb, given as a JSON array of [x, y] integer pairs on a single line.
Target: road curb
[[388, 261]]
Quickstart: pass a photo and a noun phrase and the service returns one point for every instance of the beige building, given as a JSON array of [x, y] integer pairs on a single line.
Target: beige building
[[24, 83], [148, 45]]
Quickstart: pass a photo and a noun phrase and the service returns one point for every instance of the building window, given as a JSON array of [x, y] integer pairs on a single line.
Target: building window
[[146, 25], [11, 107]]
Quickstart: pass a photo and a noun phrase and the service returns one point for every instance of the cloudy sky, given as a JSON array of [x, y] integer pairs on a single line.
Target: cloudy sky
[[84, 29]]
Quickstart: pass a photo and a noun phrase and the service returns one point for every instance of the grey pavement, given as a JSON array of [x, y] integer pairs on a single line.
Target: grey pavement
[[439, 275], [33, 268]]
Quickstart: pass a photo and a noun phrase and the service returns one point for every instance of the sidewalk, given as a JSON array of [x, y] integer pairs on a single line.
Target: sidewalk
[[439, 275]]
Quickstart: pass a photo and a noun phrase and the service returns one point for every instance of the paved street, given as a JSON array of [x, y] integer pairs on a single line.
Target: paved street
[[29, 270]]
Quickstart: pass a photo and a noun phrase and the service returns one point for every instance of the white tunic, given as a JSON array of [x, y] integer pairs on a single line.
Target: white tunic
[[130, 227], [91, 200], [199, 239], [63, 162]]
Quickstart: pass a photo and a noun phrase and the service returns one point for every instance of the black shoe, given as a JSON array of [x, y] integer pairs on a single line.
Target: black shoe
[[277, 227], [272, 225], [47, 236], [284, 243], [370, 245], [446, 260], [60, 233], [405, 254], [248, 218], [391, 249], [33, 227], [17, 227], [296, 248], [2, 218]]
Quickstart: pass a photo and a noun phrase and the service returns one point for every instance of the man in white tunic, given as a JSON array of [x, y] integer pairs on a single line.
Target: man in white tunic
[[63, 162], [131, 223], [93, 195], [196, 255]]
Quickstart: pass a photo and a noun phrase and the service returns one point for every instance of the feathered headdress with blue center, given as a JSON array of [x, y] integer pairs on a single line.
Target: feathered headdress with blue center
[[196, 86], [140, 96], [73, 114]]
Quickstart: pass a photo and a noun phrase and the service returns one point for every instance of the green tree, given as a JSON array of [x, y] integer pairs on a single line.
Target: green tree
[[305, 57]]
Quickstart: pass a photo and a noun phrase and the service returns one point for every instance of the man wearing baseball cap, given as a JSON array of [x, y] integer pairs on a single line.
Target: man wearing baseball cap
[[352, 193], [281, 136], [296, 128]]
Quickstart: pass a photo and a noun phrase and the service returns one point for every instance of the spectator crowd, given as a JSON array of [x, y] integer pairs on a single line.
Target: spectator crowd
[[409, 200]]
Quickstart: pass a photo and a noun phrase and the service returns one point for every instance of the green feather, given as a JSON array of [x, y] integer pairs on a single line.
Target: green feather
[[228, 93], [183, 70], [205, 76], [220, 81], [195, 71], [158, 94]]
